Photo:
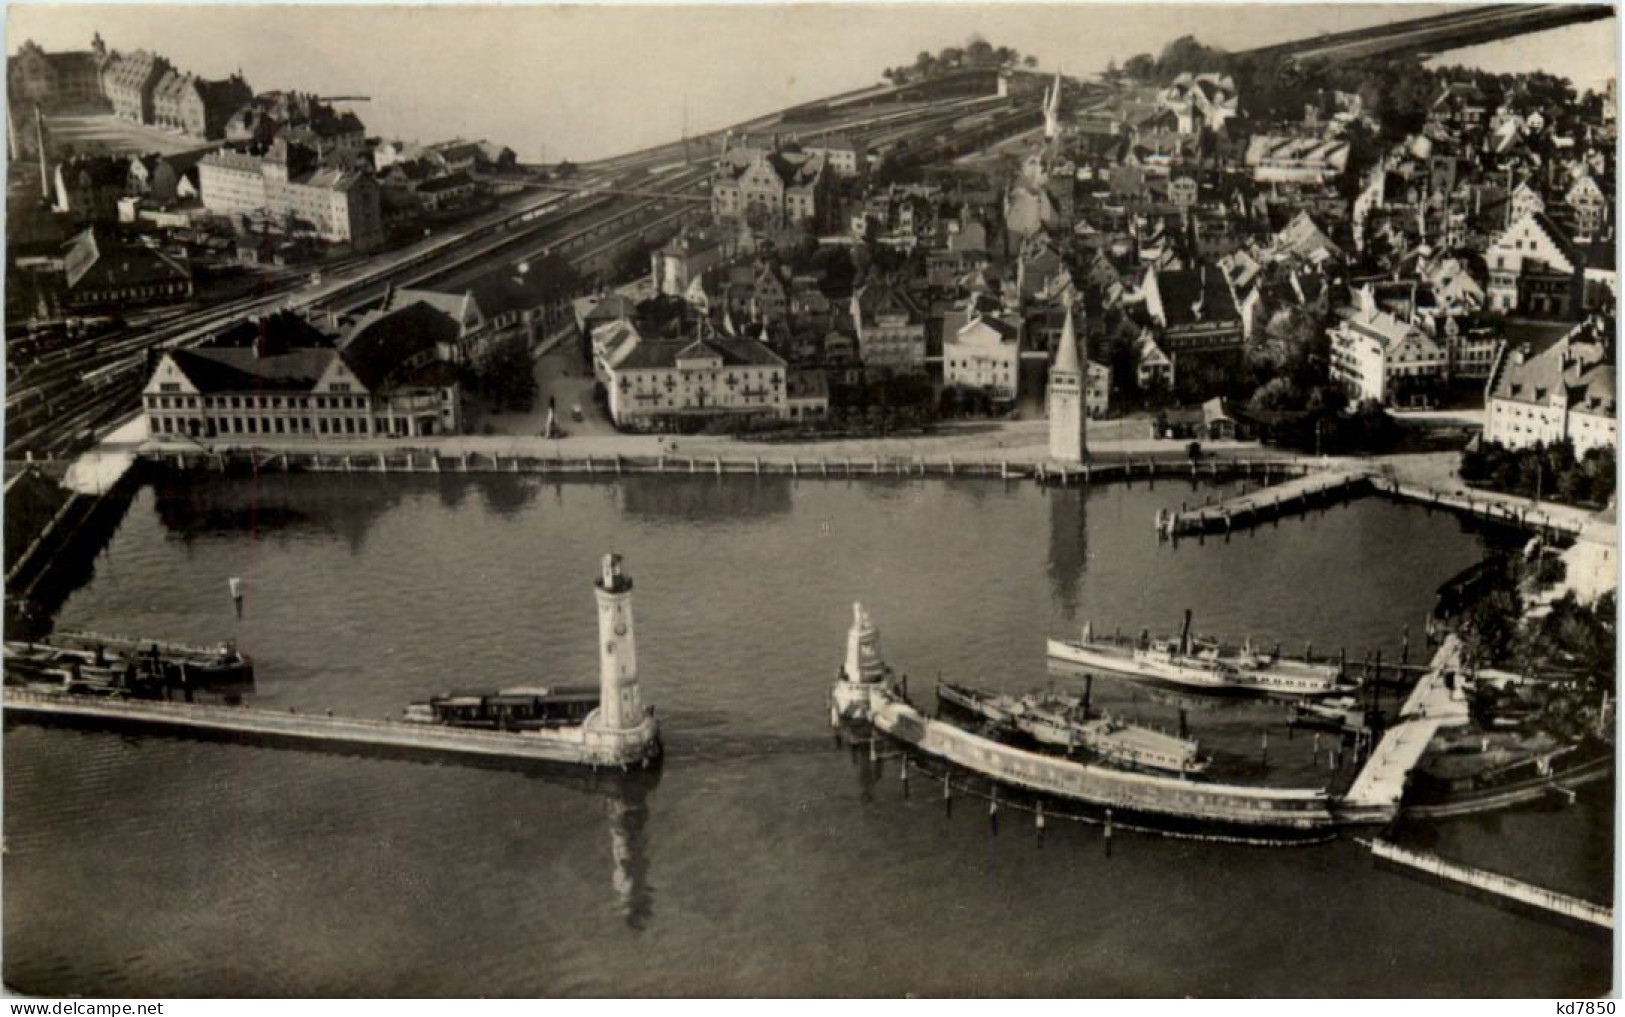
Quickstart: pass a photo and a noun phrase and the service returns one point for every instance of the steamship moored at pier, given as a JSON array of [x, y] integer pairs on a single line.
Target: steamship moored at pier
[[1162, 803]]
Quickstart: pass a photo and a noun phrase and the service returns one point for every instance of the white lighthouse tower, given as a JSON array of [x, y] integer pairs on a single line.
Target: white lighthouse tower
[[1067, 398], [620, 727], [619, 705]]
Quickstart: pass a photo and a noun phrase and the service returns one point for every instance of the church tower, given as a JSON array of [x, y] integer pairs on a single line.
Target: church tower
[[620, 706], [1066, 398], [1052, 109]]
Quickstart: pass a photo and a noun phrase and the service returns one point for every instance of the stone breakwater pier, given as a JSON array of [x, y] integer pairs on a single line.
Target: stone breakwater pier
[[309, 730], [619, 731]]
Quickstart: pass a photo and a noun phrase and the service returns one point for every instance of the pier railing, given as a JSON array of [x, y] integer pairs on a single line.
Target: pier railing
[[1495, 883], [835, 466]]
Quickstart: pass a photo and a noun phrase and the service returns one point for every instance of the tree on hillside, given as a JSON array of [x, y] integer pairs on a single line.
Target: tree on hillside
[[1140, 67], [1186, 54]]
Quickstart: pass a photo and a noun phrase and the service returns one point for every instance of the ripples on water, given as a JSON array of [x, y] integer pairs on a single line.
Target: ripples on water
[[761, 859]]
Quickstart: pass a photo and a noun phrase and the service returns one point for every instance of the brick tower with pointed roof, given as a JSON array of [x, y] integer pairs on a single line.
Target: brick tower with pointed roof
[[1067, 419]]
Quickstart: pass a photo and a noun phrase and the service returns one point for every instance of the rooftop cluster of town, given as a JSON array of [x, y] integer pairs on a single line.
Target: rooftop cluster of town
[[1272, 248]]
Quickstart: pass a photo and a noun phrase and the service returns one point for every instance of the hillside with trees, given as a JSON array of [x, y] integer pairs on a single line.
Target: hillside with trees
[[977, 52]]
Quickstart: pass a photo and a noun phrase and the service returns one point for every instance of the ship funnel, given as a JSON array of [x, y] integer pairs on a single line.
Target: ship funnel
[[1088, 633], [1185, 634]]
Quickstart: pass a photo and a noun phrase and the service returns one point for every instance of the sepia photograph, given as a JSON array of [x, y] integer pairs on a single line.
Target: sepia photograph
[[822, 500]]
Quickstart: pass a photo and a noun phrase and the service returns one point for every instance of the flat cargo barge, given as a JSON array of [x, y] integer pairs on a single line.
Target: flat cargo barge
[[1161, 804], [576, 745]]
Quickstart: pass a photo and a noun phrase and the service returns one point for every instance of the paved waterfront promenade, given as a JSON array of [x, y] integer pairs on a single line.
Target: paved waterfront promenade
[[1023, 442]]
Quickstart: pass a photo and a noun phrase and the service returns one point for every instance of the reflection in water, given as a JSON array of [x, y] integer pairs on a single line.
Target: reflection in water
[[505, 495], [198, 504], [628, 810], [1068, 546], [702, 499]]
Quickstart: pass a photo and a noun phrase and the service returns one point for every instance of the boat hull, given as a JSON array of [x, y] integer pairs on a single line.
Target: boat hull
[[1293, 680], [1160, 804]]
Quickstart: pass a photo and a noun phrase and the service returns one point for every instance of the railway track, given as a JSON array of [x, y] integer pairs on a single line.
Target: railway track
[[83, 390]]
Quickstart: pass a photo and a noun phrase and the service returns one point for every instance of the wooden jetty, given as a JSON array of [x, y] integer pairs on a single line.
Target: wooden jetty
[[243, 724], [1263, 504], [1377, 791], [1524, 517], [1495, 884]]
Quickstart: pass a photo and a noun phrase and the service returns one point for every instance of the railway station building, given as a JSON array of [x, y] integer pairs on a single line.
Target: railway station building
[[280, 377]]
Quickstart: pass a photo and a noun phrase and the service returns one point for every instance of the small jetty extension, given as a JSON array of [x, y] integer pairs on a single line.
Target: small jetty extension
[[1504, 887], [1323, 487], [619, 732], [1379, 788], [1262, 505]]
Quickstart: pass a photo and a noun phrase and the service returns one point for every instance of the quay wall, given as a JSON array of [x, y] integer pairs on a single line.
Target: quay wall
[[61, 556], [834, 466], [573, 746]]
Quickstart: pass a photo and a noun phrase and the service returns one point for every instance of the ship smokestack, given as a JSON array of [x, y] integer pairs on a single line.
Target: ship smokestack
[[1185, 634]]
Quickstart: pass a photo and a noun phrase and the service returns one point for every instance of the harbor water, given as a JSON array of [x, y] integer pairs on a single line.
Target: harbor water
[[763, 858]]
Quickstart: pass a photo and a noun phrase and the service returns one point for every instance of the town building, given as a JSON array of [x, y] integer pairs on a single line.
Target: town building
[[1153, 369], [1535, 269], [67, 81], [687, 257], [332, 204], [449, 191], [1203, 101], [890, 328], [807, 394], [129, 81], [984, 354], [1564, 391], [1380, 357], [88, 187], [1296, 160], [771, 189], [1195, 312], [281, 377], [661, 383], [165, 180], [844, 157], [1097, 399], [100, 270], [1591, 207], [197, 106], [298, 118]]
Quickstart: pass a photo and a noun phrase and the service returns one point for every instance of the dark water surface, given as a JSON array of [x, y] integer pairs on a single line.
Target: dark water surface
[[762, 859]]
